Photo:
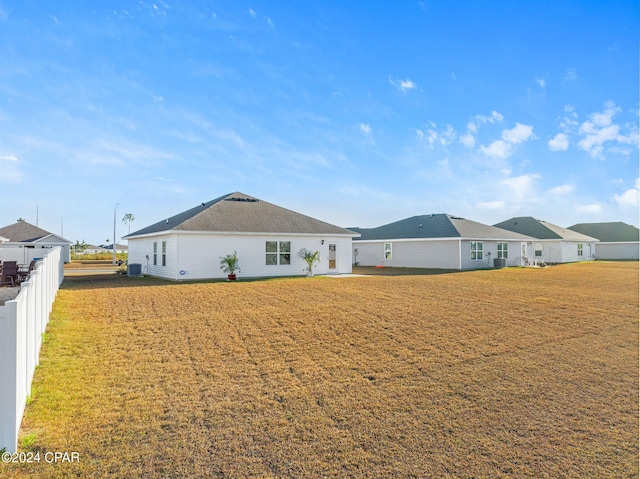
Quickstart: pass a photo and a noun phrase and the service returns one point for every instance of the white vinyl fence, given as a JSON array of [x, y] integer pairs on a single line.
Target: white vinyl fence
[[22, 323]]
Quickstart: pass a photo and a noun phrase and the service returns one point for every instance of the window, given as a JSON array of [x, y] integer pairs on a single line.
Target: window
[[476, 250], [503, 250], [278, 252], [537, 251], [579, 249], [155, 253], [164, 253], [388, 251]]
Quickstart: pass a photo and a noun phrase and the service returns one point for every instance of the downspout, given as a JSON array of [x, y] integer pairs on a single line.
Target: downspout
[[460, 254]]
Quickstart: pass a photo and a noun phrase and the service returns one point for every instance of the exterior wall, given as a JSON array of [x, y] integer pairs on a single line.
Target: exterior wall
[[570, 251], [197, 255], [489, 253], [622, 250], [444, 254], [558, 251]]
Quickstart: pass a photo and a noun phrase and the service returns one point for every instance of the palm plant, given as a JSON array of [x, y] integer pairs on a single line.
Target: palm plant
[[229, 263], [310, 257]]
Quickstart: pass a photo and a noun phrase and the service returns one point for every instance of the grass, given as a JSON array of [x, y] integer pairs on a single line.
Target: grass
[[502, 373]]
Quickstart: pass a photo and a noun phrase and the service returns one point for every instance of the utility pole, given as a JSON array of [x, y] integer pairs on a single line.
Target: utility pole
[[114, 234]]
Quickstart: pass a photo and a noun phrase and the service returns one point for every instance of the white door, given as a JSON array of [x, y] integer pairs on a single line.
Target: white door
[[333, 262]]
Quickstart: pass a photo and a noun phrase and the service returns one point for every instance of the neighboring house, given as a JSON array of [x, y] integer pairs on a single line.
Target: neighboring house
[[32, 240], [437, 241], [108, 248], [266, 237], [552, 244], [92, 249], [3, 239], [617, 240]]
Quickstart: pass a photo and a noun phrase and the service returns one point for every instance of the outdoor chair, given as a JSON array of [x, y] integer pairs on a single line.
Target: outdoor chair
[[9, 273], [24, 272]]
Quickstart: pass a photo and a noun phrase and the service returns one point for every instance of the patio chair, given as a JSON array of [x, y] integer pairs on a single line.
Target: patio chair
[[23, 273], [9, 273]]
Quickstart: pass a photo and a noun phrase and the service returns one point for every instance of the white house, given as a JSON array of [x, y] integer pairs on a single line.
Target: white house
[[552, 244], [266, 237], [438, 241], [26, 242], [618, 240]]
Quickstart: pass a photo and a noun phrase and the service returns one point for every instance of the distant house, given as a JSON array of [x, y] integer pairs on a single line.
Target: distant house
[[437, 241], [92, 249], [108, 248], [552, 244], [617, 240], [266, 237], [32, 240]]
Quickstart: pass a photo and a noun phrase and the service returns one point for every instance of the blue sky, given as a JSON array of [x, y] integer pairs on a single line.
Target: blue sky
[[356, 113]]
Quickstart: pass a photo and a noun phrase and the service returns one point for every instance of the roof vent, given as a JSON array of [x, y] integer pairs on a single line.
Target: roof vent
[[202, 204], [242, 200], [166, 221]]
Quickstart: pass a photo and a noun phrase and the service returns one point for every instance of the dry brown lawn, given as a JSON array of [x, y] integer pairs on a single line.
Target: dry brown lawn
[[501, 373]]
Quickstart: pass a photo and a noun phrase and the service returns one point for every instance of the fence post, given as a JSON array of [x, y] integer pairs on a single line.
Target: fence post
[[9, 417]]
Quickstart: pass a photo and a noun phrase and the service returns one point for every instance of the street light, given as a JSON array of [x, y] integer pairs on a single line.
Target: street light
[[114, 234]]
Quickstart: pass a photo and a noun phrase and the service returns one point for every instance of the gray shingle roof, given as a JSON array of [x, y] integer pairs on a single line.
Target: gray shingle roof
[[436, 226], [541, 229], [608, 232], [23, 232], [240, 213]]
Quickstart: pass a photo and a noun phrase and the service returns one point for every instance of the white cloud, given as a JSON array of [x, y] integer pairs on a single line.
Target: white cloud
[[518, 134], [542, 82], [631, 197], [561, 190], [503, 148], [570, 74], [497, 149], [403, 85], [468, 140], [592, 208], [560, 142], [252, 12], [10, 168], [365, 128], [521, 186], [434, 135]]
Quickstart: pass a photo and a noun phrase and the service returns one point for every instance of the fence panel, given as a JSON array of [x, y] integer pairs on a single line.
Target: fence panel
[[22, 323]]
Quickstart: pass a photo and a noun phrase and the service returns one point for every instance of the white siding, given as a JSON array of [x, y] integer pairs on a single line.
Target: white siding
[[627, 250], [197, 255], [490, 252], [570, 252], [444, 254]]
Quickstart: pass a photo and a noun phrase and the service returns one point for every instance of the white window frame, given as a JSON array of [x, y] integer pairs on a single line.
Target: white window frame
[[388, 251], [477, 249], [164, 253], [580, 249], [503, 250], [281, 253], [155, 253]]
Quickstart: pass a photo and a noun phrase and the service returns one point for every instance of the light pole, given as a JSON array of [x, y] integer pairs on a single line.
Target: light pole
[[114, 234]]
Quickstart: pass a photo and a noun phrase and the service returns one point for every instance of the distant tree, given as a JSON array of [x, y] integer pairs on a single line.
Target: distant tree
[[128, 219], [21, 220], [80, 247]]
